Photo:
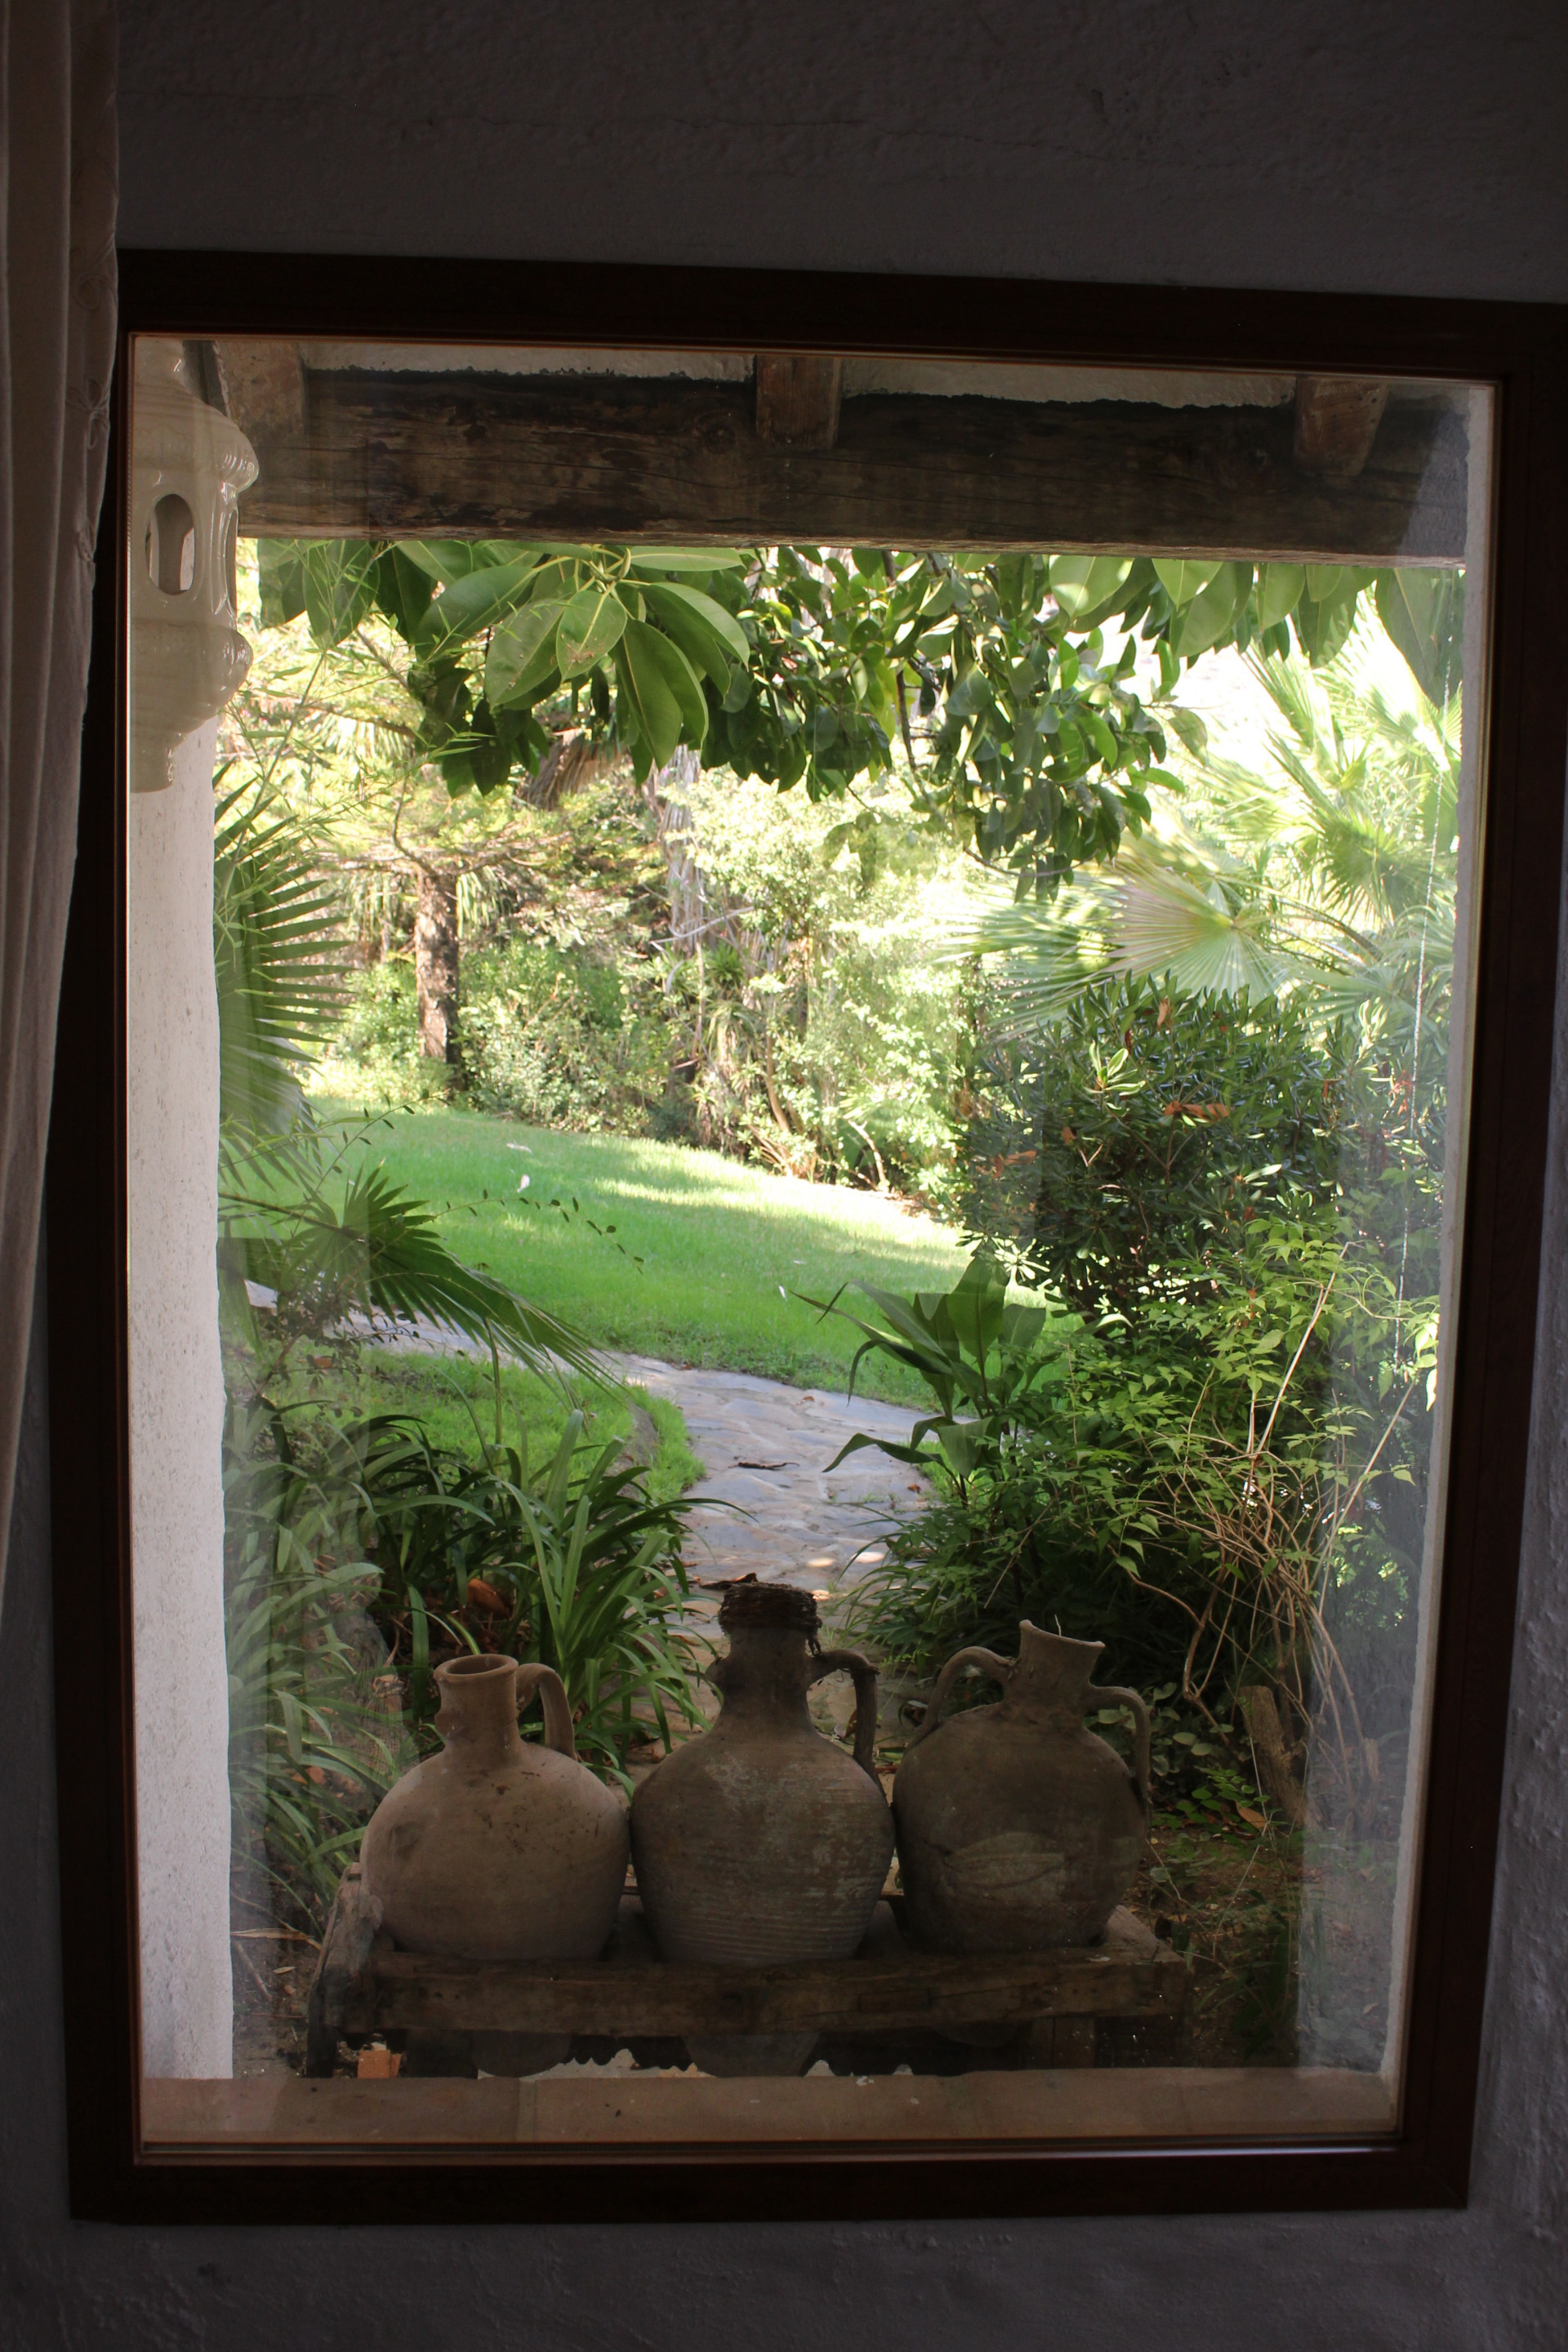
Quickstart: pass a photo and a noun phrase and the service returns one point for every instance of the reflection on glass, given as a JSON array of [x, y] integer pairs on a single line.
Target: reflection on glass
[[930, 1076]]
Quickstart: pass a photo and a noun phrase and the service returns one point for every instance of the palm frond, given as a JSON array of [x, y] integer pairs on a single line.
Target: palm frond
[[279, 971], [364, 1247], [1146, 921], [1333, 871]]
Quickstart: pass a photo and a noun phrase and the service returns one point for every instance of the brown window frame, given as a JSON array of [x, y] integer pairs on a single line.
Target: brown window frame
[[1517, 349]]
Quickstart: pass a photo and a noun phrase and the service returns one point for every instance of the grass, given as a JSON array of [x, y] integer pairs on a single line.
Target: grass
[[453, 1397], [704, 1251]]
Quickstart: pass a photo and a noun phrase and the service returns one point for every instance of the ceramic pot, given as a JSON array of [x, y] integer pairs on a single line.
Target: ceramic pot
[[1018, 1829], [498, 1849], [762, 1841]]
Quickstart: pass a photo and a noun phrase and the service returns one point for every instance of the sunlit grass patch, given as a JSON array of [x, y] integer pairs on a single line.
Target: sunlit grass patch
[[706, 1255]]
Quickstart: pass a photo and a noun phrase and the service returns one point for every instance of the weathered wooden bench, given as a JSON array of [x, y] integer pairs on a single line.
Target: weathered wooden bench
[[365, 1986]]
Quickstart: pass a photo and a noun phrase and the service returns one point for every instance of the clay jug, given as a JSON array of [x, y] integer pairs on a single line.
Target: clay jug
[[760, 1841], [1018, 1829], [498, 1849]]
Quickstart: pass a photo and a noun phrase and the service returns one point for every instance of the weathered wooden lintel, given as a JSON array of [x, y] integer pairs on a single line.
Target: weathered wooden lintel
[[799, 398], [669, 458], [1336, 417], [263, 385]]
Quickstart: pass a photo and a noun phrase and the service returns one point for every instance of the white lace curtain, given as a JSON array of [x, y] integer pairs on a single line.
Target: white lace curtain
[[56, 327]]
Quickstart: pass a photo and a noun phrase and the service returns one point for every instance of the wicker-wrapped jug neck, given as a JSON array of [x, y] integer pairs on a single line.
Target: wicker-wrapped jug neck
[[748, 1603]]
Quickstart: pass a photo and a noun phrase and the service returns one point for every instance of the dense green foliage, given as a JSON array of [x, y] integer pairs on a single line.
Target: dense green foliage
[[359, 1554], [1118, 1155], [789, 1009], [806, 666], [1221, 1464], [1220, 1492], [358, 1548], [311, 1214]]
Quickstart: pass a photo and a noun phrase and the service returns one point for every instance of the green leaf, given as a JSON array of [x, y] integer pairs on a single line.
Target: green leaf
[[1100, 735], [1212, 611], [281, 565], [1322, 630], [1424, 613], [280, 976], [672, 603], [447, 560], [1188, 728], [589, 627], [402, 591], [1324, 582], [1079, 583], [643, 682], [476, 601], [442, 559], [650, 561], [1185, 577], [522, 654], [683, 683], [1279, 587], [339, 586]]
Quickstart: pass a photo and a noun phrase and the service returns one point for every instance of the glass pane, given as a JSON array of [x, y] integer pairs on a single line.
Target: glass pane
[[798, 1046]]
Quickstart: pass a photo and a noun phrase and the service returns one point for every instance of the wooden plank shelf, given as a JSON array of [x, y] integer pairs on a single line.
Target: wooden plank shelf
[[366, 1986]]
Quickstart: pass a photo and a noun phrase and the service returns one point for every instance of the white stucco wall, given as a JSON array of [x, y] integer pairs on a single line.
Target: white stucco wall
[[176, 1426], [1359, 144]]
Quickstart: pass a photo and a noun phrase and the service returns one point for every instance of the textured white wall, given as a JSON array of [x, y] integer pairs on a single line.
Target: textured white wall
[[1351, 143], [176, 1426]]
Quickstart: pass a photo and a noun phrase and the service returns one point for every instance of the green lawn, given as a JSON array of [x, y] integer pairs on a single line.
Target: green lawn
[[720, 1243]]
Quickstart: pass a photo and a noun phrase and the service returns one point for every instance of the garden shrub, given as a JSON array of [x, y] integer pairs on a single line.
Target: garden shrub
[[1216, 1489], [1129, 1147]]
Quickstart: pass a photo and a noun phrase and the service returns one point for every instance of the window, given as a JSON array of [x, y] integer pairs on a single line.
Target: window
[[1012, 829]]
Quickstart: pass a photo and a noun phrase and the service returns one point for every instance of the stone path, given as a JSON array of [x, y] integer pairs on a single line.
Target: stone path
[[765, 1448]]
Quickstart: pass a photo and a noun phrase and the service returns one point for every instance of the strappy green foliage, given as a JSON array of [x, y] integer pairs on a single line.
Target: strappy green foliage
[[974, 1349], [279, 968]]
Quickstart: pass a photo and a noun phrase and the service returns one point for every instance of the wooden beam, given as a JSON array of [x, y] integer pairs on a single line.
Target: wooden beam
[[912, 1992], [798, 395], [1336, 417], [263, 388], [618, 458]]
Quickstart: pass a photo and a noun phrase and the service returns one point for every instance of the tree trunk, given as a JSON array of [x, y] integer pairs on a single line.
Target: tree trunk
[[684, 878], [1280, 1768], [436, 968]]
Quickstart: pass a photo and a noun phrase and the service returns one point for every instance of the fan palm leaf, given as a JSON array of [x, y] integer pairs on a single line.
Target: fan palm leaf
[[1333, 873], [299, 1213], [277, 967]]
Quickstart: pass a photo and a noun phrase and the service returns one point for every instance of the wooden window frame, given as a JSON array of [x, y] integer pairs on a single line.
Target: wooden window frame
[[1519, 351]]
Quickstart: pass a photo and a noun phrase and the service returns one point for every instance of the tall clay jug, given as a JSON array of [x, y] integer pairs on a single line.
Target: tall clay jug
[[498, 1849], [1018, 1828], [762, 1841]]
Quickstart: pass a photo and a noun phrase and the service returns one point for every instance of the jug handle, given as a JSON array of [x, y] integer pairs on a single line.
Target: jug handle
[[552, 1698], [855, 1664], [1000, 1670], [1141, 1718]]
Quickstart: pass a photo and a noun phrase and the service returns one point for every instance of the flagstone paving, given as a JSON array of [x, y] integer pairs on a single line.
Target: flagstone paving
[[782, 1513], [769, 1505]]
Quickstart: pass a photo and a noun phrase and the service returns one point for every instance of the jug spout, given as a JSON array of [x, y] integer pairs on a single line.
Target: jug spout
[[1054, 1673]]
